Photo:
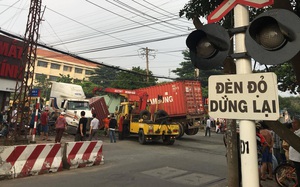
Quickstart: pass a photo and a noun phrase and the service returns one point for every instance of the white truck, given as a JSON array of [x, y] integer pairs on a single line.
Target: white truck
[[69, 98]]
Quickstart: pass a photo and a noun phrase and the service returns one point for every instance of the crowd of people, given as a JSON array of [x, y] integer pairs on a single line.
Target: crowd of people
[[39, 124], [218, 124], [271, 149]]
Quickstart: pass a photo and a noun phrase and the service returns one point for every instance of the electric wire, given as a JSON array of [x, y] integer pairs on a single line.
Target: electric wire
[[142, 14], [159, 13], [88, 26], [9, 7], [85, 59]]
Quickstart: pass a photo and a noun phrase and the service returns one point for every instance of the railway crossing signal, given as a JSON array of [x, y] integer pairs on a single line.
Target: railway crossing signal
[[273, 37], [209, 46]]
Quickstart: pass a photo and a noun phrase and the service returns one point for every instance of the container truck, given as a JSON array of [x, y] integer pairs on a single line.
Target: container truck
[[135, 120], [69, 98], [181, 100]]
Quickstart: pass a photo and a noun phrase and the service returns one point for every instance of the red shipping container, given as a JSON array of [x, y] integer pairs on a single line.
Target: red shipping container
[[179, 99], [98, 106]]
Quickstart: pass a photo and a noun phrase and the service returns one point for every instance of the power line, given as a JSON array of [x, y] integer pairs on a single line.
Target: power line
[[158, 12], [88, 26], [164, 11], [125, 17], [142, 14], [84, 59], [129, 44]]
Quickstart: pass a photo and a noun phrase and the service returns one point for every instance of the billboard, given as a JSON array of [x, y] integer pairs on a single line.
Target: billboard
[[11, 58]]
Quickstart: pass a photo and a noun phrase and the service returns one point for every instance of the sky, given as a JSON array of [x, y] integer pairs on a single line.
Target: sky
[[112, 32]]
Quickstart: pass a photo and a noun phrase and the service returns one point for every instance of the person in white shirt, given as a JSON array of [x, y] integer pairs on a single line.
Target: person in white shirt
[[208, 126], [13, 115], [94, 128], [293, 154]]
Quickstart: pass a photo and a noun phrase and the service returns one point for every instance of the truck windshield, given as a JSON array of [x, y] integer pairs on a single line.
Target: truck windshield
[[78, 105]]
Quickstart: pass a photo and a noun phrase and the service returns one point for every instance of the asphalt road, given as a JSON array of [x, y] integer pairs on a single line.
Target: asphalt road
[[192, 161]]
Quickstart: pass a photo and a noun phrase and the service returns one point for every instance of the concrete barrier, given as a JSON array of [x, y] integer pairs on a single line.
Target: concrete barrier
[[82, 154], [27, 160]]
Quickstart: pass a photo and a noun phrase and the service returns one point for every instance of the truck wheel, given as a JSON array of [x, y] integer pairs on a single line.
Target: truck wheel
[[181, 131], [190, 131], [142, 138], [160, 116], [145, 115], [168, 141]]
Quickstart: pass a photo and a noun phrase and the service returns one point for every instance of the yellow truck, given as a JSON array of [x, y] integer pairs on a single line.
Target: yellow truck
[[135, 120]]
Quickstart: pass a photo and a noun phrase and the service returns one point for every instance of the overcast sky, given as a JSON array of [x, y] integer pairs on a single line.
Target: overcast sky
[[109, 31]]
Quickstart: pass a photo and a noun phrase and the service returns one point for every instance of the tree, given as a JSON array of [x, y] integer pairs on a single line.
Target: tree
[[202, 8], [104, 76], [187, 71], [65, 78], [88, 87], [129, 80], [291, 104], [42, 83]]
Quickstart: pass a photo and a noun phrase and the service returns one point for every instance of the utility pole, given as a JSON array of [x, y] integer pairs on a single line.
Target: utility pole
[[24, 79], [146, 52]]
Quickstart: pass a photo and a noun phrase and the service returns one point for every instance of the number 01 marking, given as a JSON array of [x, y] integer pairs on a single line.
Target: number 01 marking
[[244, 147]]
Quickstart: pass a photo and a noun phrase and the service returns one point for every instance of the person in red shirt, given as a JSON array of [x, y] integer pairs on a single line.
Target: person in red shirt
[[60, 126], [44, 124], [261, 146], [106, 123]]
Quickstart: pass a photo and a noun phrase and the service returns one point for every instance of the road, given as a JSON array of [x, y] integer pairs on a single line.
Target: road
[[192, 161]]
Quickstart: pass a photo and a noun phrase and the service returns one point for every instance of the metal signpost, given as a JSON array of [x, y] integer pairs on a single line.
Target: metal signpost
[[35, 93], [249, 161]]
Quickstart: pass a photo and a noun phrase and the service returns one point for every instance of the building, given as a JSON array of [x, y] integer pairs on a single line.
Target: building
[[53, 64], [49, 63]]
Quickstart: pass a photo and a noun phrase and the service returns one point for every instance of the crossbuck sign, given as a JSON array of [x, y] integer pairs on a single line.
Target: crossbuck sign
[[227, 5]]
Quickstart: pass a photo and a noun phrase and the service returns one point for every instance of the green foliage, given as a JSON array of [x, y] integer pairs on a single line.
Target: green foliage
[[42, 83], [292, 104], [187, 71], [136, 80], [64, 78], [88, 87], [286, 77], [104, 76]]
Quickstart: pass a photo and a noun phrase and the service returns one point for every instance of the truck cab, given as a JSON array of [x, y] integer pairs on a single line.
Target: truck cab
[[69, 98]]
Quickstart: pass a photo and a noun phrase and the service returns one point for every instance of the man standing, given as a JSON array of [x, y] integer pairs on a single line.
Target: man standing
[[106, 124], [266, 162], [44, 124], [293, 154], [13, 115], [112, 129], [94, 127], [207, 128], [60, 126], [81, 129]]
